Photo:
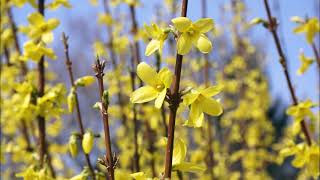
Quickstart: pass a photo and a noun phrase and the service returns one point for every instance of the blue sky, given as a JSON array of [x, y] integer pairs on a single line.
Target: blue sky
[[306, 85]]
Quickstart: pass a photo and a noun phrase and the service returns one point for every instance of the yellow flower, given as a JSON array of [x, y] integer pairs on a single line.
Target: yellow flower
[[178, 158], [39, 28], [87, 142], [304, 156], [57, 3], [301, 110], [156, 85], [311, 27], [105, 19], [158, 36], [27, 174], [193, 33], [305, 63], [200, 102], [36, 51]]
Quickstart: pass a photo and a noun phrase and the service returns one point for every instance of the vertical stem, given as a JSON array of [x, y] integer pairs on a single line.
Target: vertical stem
[[174, 104], [79, 119], [41, 84], [283, 62], [98, 68], [135, 60], [16, 41], [136, 156], [316, 54]]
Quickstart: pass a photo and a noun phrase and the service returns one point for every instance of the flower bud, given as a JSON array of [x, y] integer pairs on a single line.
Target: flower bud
[[73, 148], [87, 142], [84, 81]]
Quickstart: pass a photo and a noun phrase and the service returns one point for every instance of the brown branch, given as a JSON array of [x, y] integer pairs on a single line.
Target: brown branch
[[135, 49], [79, 119], [13, 25], [283, 61], [41, 86], [174, 104], [98, 68], [136, 156], [316, 53]]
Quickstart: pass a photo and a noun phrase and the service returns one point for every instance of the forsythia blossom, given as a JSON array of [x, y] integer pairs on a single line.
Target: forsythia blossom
[[39, 28], [193, 33], [304, 156], [156, 85], [311, 27], [305, 63], [200, 102], [302, 110], [158, 36], [35, 51]]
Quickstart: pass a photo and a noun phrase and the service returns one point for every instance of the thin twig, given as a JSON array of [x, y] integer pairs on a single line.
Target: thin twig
[[135, 49], [98, 68], [283, 61], [174, 104], [79, 119]]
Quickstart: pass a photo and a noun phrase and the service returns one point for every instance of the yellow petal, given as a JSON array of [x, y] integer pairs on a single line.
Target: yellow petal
[[181, 23], [211, 91], [299, 160], [190, 97], [36, 19], [47, 37], [53, 23], [184, 44], [152, 47], [204, 25], [310, 34], [147, 74], [179, 151], [196, 117], [292, 110], [166, 77], [210, 106], [144, 94], [300, 29], [189, 167], [159, 101], [204, 44]]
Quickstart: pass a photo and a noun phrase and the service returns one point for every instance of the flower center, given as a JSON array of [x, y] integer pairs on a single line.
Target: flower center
[[159, 87]]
